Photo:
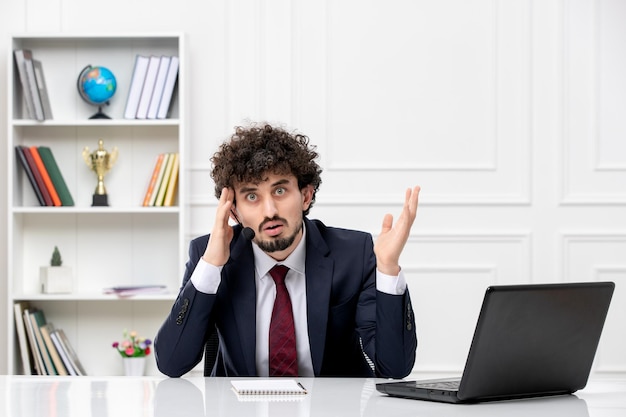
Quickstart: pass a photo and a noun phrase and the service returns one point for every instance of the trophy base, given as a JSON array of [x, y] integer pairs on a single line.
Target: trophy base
[[100, 200]]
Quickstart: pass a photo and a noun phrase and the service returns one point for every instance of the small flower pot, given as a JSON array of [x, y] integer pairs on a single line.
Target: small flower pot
[[55, 279]]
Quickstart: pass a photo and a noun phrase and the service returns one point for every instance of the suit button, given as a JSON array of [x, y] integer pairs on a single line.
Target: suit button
[[409, 317], [183, 310]]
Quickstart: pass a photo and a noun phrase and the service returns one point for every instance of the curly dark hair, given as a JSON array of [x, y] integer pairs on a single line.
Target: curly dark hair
[[253, 152]]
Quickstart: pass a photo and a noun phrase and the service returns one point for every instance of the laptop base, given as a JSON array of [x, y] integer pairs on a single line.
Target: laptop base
[[408, 389]]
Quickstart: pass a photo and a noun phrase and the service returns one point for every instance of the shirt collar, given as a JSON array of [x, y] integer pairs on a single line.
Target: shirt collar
[[295, 261]]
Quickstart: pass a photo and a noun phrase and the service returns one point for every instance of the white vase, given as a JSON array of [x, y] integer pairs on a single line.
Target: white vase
[[134, 366]]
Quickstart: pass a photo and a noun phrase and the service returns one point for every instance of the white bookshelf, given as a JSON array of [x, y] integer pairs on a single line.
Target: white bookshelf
[[122, 244]]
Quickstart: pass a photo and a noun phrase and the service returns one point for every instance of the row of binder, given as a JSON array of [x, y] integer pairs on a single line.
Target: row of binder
[[44, 349], [33, 83], [152, 87], [44, 175], [161, 189]]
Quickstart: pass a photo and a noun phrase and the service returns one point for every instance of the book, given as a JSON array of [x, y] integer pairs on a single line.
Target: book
[[21, 56], [170, 193], [55, 176], [159, 83], [168, 88], [19, 153], [71, 353], [32, 342], [22, 338], [153, 180], [62, 353], [46, 330], [42, 89], [38, 319], [165, 180], [131, 290], [32, 86], [56, 201], [159, 180], [148, 87], [38, 178], [268, 387], [136, 85]]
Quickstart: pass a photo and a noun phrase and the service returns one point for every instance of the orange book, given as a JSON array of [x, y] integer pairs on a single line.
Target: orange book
[[153, 180], [45, 176]]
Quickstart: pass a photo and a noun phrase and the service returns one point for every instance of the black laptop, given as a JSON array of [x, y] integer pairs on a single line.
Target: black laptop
[[530, 340]]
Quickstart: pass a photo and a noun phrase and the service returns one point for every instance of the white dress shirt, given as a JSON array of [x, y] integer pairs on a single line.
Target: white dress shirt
[[206, 279]]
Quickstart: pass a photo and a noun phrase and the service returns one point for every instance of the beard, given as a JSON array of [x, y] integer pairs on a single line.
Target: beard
[[281, 243]]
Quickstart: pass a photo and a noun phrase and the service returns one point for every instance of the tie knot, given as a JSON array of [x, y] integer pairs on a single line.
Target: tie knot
[[278, 273]]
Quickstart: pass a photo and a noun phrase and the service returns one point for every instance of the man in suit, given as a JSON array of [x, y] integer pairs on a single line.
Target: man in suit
[[351, 307]]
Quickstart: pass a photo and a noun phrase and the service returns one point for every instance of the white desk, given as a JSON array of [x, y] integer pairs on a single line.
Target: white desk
[[26, 396]]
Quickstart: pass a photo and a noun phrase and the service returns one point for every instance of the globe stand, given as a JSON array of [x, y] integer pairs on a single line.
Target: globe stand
[[100, 114]]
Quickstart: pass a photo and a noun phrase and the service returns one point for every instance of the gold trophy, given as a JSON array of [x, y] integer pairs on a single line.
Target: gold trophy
[[100, 161]]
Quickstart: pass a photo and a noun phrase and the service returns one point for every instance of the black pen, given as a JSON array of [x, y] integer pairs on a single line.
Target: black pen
[[303, 389]]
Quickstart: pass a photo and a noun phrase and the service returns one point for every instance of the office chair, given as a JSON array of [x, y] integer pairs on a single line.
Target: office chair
[[210, 352]]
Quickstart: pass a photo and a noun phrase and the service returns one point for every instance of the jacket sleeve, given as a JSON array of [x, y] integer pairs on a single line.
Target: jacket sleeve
[[179, 343], [389, 343], [396, 337]]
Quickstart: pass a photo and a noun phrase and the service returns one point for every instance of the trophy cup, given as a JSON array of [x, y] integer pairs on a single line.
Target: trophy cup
[[100, 161]]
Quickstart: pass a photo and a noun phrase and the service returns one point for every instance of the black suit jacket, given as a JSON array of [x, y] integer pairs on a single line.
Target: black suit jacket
[[354, 330]]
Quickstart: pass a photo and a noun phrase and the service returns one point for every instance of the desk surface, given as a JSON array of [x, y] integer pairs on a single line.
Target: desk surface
[[27, 396]]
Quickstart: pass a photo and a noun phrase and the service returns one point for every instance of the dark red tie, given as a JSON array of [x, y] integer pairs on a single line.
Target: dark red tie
[[282, 355]]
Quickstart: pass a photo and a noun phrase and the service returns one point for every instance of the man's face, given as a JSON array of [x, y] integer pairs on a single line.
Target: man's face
[[273, 209]]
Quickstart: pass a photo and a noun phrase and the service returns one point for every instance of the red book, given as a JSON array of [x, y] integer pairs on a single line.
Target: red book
[[56, 201], [38, 179]]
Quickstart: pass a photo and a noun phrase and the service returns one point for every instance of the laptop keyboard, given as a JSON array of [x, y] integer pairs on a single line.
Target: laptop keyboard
[[440, 385]]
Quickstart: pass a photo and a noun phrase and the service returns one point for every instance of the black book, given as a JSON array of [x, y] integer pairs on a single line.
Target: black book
[[22, 158]]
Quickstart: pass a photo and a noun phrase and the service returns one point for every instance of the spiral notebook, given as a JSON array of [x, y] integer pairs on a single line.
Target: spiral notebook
[[268, 387]]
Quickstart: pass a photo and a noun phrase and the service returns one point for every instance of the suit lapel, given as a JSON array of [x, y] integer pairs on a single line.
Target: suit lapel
[[319, 273]]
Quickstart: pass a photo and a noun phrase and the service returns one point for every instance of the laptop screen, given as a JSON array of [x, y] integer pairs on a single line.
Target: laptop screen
[[535, 339], [530, 340]]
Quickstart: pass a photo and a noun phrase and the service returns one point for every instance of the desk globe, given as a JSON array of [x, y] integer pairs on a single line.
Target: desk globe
[[96, 85]]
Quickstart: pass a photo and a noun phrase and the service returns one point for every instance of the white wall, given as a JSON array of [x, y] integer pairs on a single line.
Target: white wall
[[507, 113]]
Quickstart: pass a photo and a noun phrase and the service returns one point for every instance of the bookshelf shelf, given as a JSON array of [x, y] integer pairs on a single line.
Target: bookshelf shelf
[[122, 244], [97, 211], [169, 297], [94, 123]]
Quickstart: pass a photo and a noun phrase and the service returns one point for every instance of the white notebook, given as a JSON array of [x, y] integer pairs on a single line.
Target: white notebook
[[268, 387]]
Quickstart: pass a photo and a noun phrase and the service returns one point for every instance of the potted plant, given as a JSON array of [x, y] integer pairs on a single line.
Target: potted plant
[[133, 349], [56, 278]]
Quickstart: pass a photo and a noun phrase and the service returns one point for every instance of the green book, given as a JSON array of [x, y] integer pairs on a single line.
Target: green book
[[55, 176], [38, 319]]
